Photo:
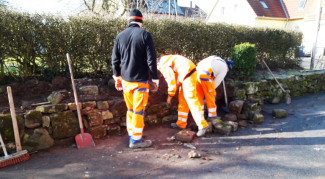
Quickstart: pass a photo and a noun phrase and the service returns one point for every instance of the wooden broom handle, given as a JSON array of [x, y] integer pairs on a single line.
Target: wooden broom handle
[[14, 119]]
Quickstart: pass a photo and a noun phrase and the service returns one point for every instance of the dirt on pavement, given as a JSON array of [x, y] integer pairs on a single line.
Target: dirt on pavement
[[292, 147]]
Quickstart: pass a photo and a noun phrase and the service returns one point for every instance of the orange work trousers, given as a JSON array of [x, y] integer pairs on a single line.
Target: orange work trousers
[[136, 98], [208, 89], [189, 99]]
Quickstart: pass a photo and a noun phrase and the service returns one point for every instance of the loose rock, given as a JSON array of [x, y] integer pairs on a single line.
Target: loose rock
[[279, 113], [193, 154]]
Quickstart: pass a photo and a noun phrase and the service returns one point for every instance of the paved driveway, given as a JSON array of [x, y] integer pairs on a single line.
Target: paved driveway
[[293, 147]]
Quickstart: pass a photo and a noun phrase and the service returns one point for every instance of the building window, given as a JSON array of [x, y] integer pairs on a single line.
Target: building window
[[264, 4], [302, 4]]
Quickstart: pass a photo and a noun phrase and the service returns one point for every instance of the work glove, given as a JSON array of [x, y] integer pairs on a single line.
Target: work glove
[[155, 84], [118, 83], [169, 99]]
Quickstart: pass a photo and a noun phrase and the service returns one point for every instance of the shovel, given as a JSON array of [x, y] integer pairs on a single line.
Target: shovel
[[287, 97], [83, 139], [225, 107]]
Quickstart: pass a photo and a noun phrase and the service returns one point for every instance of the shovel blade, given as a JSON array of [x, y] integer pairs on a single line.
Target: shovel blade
[[84, 140], [225, 109]]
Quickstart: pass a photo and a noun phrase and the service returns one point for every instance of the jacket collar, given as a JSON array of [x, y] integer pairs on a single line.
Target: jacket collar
[[133, 25]]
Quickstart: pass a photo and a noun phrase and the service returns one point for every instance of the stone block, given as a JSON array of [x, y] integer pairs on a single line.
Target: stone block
[[279, 113], [169, 119], [242, 116], [242, 123], [89, 90], [113, 129], [64, 124], [256, 117], [98, 132], [7, 129], [115, 120], [57, 96], [73, 106], [234, 125], [89, 105], [235, 107], [251, 87], [33, 119], [220, 127], [46, 121], [185, 135], [151, 119], [107, 115], [210, 129], [230, 117], [52, 108], [102, 105], [119, 108], [161, 109], [94, 118], [240, 94], [39, 140]]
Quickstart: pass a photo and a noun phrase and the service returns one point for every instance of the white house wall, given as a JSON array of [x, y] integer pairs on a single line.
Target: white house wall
[[233, 12], [270, 23]]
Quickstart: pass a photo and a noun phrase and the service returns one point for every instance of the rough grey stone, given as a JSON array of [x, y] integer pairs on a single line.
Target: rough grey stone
[[89, 90], [279, 113], [102, 105], [33, 119], [57, 96], [46, 121]]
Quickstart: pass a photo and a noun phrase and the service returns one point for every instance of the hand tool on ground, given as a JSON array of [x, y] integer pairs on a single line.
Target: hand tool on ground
[[287, 96], [225, 107], [83, 139], [20, 155]]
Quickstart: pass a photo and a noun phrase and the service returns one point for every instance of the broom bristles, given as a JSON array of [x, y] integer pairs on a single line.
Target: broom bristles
[[14, 158]]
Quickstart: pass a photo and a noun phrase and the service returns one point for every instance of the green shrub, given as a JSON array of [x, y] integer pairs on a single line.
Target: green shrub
[[244, 57], [36, 45]]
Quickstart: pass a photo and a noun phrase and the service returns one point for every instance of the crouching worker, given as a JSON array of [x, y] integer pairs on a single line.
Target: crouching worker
[[211, 72], [133, 63], [180, 71]]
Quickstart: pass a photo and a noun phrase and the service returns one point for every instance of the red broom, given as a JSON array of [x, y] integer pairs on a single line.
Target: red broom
[[13, 158], [20, 155]]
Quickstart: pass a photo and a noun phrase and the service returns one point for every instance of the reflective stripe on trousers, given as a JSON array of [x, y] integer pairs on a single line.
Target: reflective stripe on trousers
[[136, 98], [190, 99], [208, 89]]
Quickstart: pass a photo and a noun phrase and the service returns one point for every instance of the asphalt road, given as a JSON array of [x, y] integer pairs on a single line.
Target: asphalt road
[[293, 147]]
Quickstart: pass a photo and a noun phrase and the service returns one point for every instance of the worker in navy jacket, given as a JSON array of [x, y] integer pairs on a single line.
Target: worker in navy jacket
[[134, 65]]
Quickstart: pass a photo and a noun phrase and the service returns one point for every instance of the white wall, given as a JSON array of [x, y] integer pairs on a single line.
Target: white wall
[[278, 24], [233, 12], [308, 28]]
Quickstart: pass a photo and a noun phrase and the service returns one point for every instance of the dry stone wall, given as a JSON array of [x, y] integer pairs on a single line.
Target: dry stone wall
[[57, 123]]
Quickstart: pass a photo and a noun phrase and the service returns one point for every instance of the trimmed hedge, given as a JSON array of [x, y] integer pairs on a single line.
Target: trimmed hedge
[[244, 57], [36, 44]]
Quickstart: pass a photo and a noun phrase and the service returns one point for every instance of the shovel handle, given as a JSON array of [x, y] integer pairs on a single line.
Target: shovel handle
[[75, 95], [14, 119], [274, 77], [225, 92]]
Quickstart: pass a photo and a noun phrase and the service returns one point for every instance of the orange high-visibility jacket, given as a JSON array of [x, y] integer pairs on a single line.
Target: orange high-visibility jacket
[[175, 68]]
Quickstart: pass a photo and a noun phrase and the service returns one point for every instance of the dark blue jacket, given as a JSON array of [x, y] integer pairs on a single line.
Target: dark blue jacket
[[134, 55]]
